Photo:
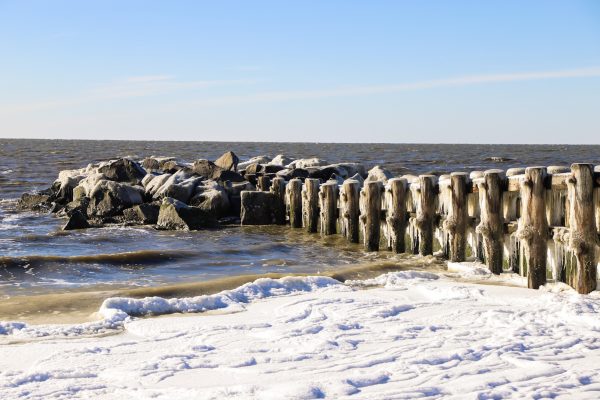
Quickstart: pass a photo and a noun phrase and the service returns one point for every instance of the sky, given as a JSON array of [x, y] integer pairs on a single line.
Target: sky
[[308, 71]]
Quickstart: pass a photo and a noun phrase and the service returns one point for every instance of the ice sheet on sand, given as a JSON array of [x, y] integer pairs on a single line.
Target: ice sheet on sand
[[116, 311], [396, 279], [437, 338]]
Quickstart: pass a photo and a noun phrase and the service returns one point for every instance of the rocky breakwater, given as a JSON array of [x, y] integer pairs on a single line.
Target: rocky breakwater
[[171, 194]]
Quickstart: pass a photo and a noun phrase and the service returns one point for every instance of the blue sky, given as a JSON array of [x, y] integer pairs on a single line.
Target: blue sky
[[328, 71]]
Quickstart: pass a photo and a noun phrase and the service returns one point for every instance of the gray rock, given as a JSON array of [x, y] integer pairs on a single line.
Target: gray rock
[[76, 221], [123, 170], [378, 173], [205, 168], [179, 186], [228, 161], [213, 199], [226, 175], [281, 160], [253, 169], [307, 162], [288, 174], [254, 160], [144, 214], [261, 208], [34, 201], [174, 214], [110, 198]]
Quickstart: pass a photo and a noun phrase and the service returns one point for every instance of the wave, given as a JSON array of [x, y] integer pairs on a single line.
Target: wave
[[131, 257]]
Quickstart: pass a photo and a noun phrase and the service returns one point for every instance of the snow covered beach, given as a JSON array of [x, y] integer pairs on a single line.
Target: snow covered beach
[[408, 334]]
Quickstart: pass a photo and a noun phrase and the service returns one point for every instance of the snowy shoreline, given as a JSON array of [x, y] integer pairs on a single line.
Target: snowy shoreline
[[412, 334]]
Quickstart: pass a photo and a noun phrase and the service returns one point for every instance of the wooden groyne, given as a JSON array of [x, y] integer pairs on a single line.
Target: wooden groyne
[[539, 222]]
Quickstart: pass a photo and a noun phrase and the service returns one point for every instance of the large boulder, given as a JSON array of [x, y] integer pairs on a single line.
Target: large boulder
[[77, 220], [227, 175], [211, 198], [254, 160], [174, 214], [324, 173], [205, 168], [378, 173], [123, 170], [288, 174], [34, 201], [180, 186], [228, 161], [346, 170], [307, 162], [261, 208], [281, 160], [253, 169], [146, 213], [109, 198], [63, 186]]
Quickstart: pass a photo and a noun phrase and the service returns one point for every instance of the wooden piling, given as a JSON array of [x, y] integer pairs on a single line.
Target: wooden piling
[[396, 217], [533, 225], [582, 236], [491, 221], [426, 213], [310, 204], [328, 196], [370, 214], [456, 220], [278, 189], [294, 196], [263, 183], [350, 210]]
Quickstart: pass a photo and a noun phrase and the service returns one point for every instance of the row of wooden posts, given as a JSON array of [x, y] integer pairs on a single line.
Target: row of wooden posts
[[520, 211]]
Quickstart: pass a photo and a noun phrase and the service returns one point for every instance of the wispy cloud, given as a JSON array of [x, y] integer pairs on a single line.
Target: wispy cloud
[[153, 85], [589, 72], [136, 86]]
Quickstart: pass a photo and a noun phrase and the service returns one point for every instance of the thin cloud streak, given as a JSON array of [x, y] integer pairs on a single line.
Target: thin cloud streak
[[591, 72], [137, 86]]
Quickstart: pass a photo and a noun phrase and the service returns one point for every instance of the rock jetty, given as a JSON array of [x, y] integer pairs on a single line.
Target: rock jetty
[[170, 194]]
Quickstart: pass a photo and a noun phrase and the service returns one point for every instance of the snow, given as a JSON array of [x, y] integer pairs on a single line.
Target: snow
[[402, 335]]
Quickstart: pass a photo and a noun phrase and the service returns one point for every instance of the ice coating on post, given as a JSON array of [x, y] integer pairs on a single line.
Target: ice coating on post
[[350, 210], [425, 213], [370, 213], [310, 205], [456, 220], [395, 226], [491, 226], [278, 189], [533, 225], [583, 237], [294, 196], [328, 196]]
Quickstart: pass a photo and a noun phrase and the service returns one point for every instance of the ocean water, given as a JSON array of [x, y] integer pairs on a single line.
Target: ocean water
[[38, 260]]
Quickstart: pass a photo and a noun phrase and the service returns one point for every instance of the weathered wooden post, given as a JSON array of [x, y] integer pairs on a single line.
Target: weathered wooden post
[[370, 214], [278, 189], [426, 213], [263, 183], [328, 196], [395, 200], [310, 204], [456, 220], [491, 225], [533, 225], [582, 235], [294, 194], [349, 209]]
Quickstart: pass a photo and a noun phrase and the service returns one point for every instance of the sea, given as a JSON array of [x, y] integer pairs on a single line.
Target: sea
[[50, 275]]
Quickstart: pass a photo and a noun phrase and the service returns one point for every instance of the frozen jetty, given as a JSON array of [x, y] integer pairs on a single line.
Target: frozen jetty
[[541, 222]]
